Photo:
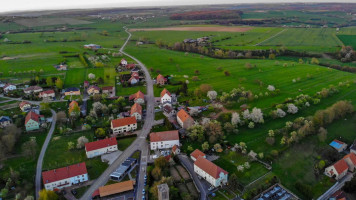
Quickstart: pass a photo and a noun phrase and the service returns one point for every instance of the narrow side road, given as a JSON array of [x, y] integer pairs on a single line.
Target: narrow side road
[[43, 151]]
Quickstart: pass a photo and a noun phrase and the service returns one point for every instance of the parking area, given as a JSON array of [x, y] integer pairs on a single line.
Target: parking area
[[110, 157]]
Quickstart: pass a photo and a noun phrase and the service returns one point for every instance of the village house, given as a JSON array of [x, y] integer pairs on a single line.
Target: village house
[[33, 89], [65, 177], [100, 147], [123, 62], [350, 159], [166, 97], [136, 111], [93, 89], [92, 46], [164, 140], [25, 106], [61, 67], [135, 70], [212, 173], [134, 79], [184, 119], [138, 97], [168, 111], [4, 121], [196, 154], [47, 94], [109, 90], [337, 170], [338, 145], [9, 87], [160, 80], [123, 125], [71, 91], [33, 121], [130, 66]]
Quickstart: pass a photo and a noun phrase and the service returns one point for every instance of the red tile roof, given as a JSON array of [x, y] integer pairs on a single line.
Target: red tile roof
[[23, 103], [183, 115], [130, 66], [209, 167], [33, 116], [164, 136], [123, 121], [165, 91], [108, 88], [136, 108], [73, 103], [341, 166], [91, 146], [352, 157], [160, 77], [47, 92], [137, 95], [94, 87], [197, 153], [338, 141], [64, 173], [31, 88]]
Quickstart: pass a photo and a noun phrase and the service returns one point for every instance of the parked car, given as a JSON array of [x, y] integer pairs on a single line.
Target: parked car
[[143, 191], [74, 192]]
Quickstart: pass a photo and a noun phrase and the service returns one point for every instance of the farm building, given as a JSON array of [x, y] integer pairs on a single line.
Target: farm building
[[123, 125], [136, 111], [116, 188], [212, 173], [65, 176], [184, 119], [138, 97], [164, 140], [100, 147], [4, 121], [196, 154], [33, 121], [92, 46], [338, 145]]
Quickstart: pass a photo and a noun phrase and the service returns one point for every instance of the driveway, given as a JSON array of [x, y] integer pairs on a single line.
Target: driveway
[[43, 151], [202, 185]]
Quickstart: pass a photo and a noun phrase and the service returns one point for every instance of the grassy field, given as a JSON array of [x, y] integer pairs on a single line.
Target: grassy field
[[348, 40], [58, 155]]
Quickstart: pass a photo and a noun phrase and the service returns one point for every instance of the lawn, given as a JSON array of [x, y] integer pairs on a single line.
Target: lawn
[[123, 143], [348, 40], [58, 155]]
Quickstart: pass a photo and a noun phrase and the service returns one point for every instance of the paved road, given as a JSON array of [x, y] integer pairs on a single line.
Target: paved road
[[200, 183], [336, 187], [139, 144], [43, 151]]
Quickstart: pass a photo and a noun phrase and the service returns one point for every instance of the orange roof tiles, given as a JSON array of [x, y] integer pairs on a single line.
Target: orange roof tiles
[[341, 166], [136, 108], [165, 91], [209, 167], [123, 122], [91, 146], [164, 136], [116, 188], [197, 153], [64, 173], [183, 115], [137, 95]]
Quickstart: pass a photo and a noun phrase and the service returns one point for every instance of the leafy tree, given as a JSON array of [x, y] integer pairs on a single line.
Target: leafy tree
[[47, 195], [70, 145], [205, 146], [61, 117], [233, 181], [214, 131], [156, 173], [29, 148], [322, 134], [81, 142], [49, 81], [314, 61], [59, 83], [161, 162], [205, 88], [100, 132], [321, 164]]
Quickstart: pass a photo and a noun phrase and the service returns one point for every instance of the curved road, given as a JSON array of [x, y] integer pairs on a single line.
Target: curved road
[[139, 144], [43, 151]]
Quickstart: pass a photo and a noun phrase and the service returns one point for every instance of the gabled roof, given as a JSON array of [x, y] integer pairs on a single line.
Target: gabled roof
[[47, 92], [136, 108], [31, 88], [183, 115], [197, 153], [130, 66], [8, 85], [23, 103], [32, 115], [164, 136], [72, 89], [91, 146], [167, 109], [116, 188], [123, 121], [352, 157], [337, 144], [134, 77], [64, 173], [160, 77], [73, 103], [353, 146], [165, 91], [341, 166], [94, 87], [209, 167], [108, 88], [4, 119], [137, 95]]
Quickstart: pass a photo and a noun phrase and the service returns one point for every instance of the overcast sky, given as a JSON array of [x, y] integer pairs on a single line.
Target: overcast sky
[[20, 5]]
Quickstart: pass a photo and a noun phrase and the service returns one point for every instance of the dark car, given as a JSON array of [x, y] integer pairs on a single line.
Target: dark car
[[74, 192]]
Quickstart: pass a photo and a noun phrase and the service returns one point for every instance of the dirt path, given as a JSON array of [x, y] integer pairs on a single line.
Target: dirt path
[[197, 28], [258, 44], [28, 56], [223, 110]]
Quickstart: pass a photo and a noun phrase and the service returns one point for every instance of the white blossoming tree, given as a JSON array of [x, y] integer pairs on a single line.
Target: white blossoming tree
[[91, 76], [271, 88], [292, 108], [280, 113], [256, 115], [235, 118], [212, 95]]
